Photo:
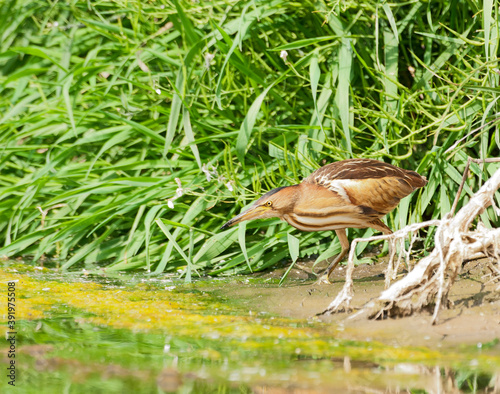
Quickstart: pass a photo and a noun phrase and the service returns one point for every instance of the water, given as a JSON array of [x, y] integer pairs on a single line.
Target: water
[[136, 334]]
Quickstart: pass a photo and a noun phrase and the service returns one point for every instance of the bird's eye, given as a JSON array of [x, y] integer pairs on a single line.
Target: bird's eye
[[268, 203]]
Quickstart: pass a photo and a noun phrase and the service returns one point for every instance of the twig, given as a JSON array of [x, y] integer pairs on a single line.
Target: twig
[[466, 174], [46, 211], [469, 134]]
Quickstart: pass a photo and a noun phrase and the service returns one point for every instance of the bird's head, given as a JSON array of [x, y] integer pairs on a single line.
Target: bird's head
[[273, 204]]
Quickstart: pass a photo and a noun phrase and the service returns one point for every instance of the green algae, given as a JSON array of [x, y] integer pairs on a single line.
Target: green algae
[[140, 334]]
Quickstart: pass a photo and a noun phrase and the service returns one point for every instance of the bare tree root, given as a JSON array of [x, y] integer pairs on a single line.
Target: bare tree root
[[429, 283], [343, 299]]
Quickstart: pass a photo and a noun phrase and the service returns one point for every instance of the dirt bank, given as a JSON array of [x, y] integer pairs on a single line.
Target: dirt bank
[[473, 320]]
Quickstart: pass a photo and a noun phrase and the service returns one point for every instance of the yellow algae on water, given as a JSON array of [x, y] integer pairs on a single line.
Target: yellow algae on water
[[186, 314], [194, 315]]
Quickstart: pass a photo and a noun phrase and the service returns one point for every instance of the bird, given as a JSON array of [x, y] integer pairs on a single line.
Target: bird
[[352, 193]]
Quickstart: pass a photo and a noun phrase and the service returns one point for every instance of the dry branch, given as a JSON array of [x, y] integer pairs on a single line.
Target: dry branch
[[429, 283], [431, 280]]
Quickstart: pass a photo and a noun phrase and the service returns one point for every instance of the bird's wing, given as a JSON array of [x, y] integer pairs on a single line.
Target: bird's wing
[[372, 185]]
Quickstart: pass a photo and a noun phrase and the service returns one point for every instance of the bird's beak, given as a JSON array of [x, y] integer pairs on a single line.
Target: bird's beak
[[254, 212]]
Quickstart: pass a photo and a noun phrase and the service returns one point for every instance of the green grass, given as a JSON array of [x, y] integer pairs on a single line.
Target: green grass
[[103, 105]]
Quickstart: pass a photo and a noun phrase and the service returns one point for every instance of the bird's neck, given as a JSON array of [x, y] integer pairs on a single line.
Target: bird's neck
[[293, 194]]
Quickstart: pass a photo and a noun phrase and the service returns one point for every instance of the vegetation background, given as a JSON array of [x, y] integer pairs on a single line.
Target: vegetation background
[[130, 131]]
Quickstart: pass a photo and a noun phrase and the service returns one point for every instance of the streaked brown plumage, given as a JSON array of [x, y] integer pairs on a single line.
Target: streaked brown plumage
[[354, 193]]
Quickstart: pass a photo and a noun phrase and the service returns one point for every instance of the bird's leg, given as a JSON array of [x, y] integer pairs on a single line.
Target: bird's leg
[[344, 243], [389, 273], [377, 224], [343, 299]]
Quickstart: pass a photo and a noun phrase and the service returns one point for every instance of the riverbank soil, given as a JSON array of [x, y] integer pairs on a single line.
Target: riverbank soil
[[474, 317]]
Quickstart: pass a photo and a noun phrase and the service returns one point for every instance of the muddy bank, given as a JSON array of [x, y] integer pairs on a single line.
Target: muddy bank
[[473, 320]]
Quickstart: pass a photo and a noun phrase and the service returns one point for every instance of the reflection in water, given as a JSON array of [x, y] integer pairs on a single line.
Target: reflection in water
[[88, 358]]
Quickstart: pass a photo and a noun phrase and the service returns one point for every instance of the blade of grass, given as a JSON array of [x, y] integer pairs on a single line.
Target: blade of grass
[[342, 97], [176, 246], [293, 248]]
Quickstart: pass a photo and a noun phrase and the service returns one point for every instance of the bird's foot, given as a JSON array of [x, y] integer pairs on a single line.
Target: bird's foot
[[323, 279], [340, 303]]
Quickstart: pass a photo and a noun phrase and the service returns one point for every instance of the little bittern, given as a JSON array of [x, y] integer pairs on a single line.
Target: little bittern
[[353, 193]]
